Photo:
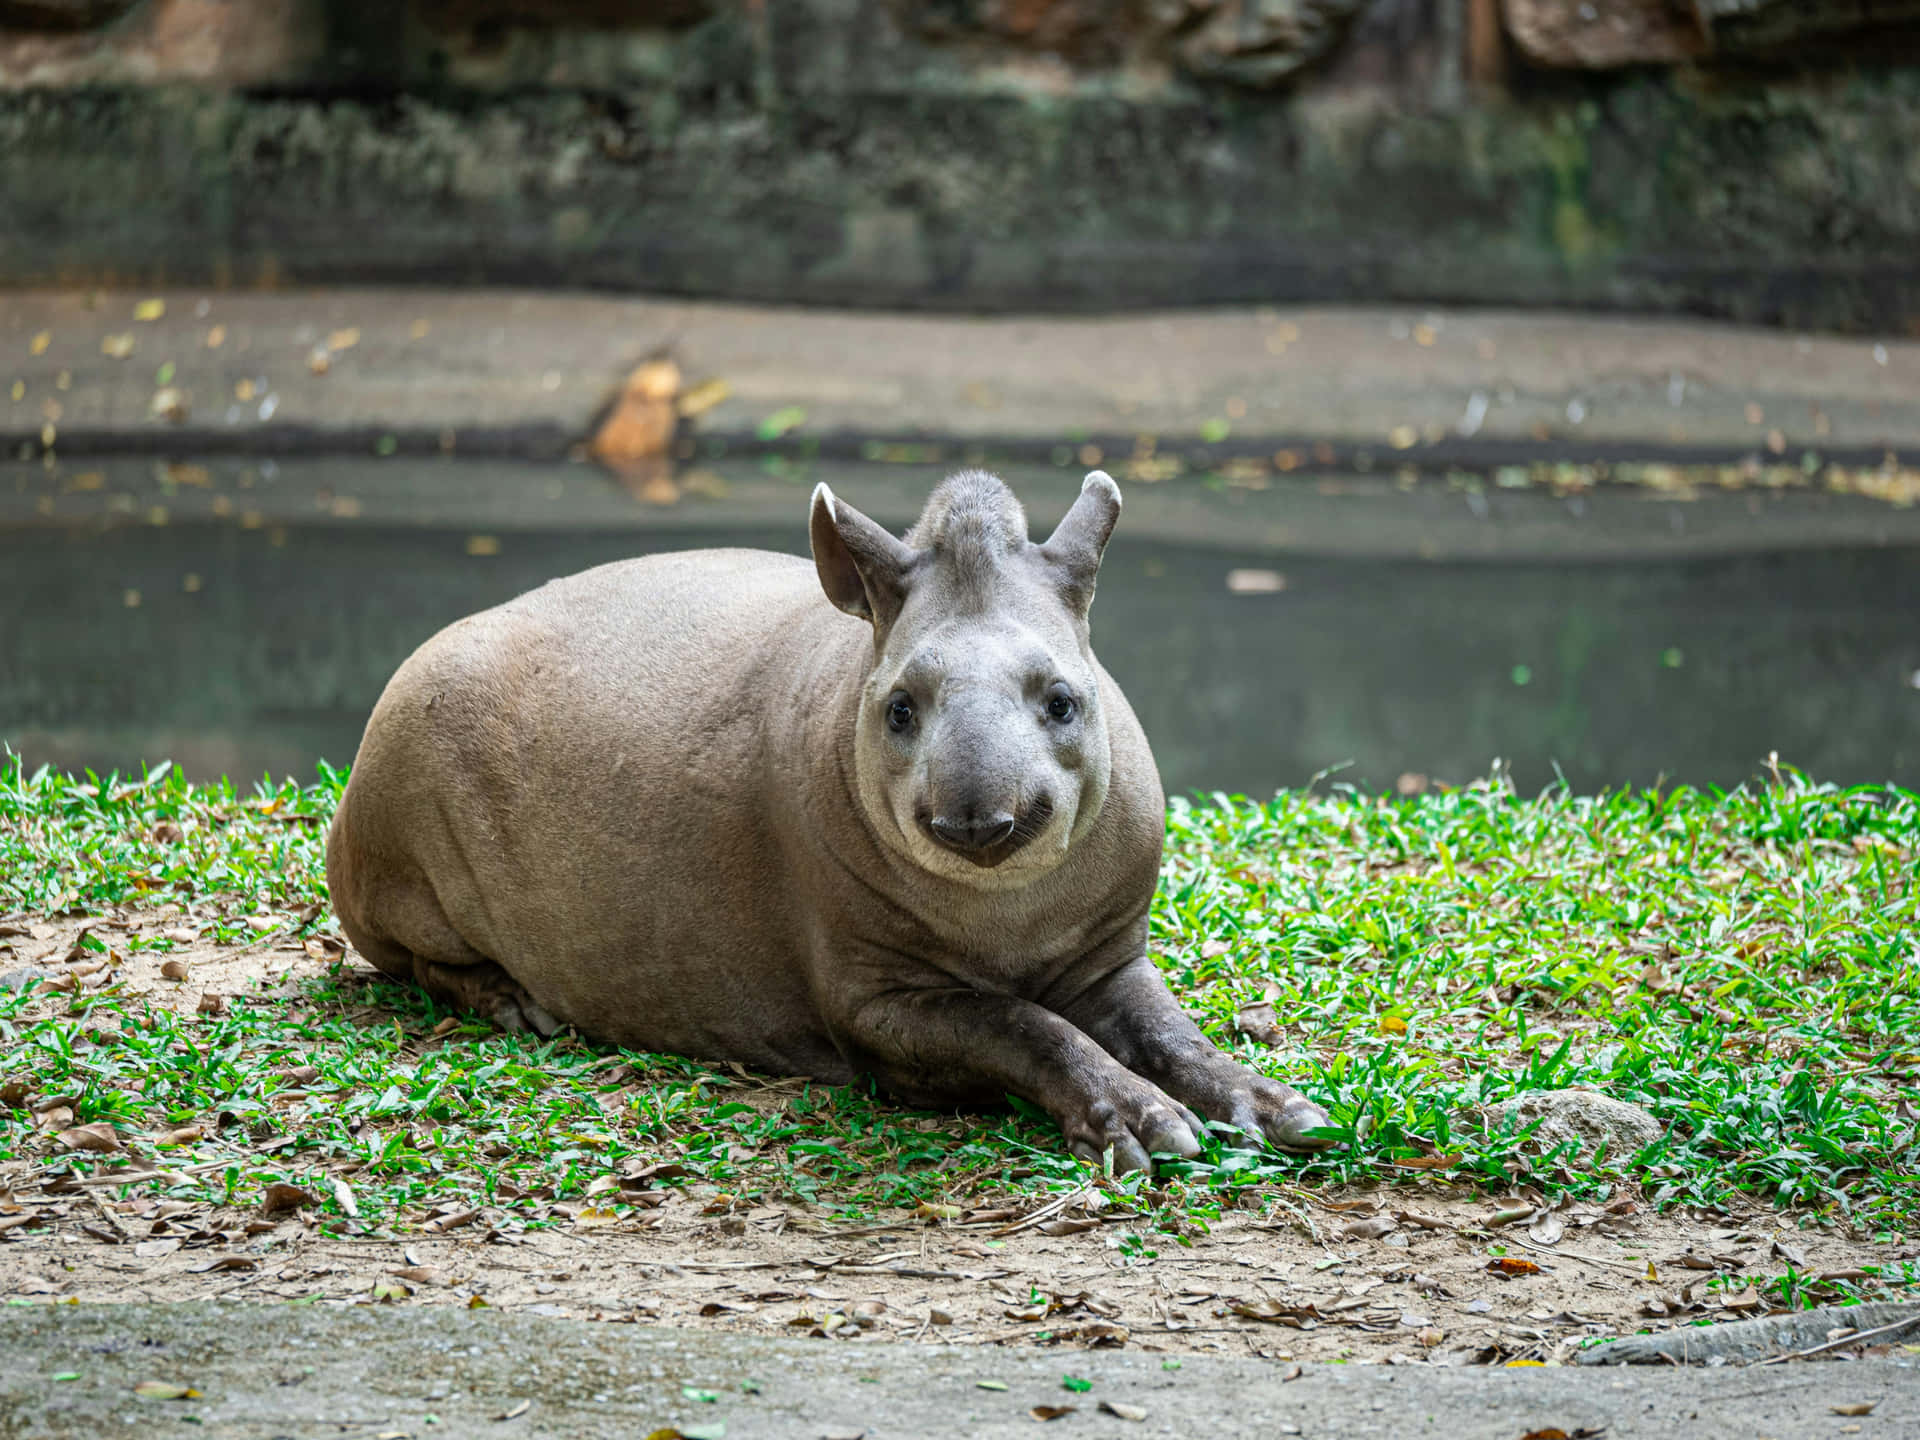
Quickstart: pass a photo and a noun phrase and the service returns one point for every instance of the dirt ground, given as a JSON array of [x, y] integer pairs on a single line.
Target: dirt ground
[[1380, 1276]]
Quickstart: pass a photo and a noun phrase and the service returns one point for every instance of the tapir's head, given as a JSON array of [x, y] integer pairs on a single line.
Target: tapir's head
[[980, 749]]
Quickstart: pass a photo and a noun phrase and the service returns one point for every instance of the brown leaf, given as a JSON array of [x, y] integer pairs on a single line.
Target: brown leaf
[[641, 423], [1856, 1407], [1272, 1312], [1430, 1162], [1508, 1265], [173, 969], [1369, 1229], [98, 1137], [223, 1262], [1051, 1412], [1122, 1411], [1546, 1228], [210, 1004], [281, 1199], [301, 1075], [185, 1135], [1257, 1023], [1066, 1227]]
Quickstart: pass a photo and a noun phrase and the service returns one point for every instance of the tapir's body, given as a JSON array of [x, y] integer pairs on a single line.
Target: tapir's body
[[684, 804]]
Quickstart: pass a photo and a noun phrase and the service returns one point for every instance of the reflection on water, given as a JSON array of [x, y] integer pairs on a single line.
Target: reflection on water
[[1374, 633]]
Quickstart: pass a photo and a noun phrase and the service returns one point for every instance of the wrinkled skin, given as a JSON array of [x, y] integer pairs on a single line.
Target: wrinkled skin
[[884, 814]]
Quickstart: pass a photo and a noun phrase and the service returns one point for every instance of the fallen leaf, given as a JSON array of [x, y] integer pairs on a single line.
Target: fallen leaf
[[1122, 1410], [700, 1396], [1857, 1407], [281, 1199], [149, 310], [385, 1292], [164, 1390], [344, 1197], [210, 1004], [1076, 1384], [1051, 1412], [1272, 1312], [1508, 1265], [1372, 1228], [1257, 1023], [1066, 1227], [705, 1430], [515, 1410], [169, 403], [703, 397], [99, 1138], [154, 1249], [989, 1384], [1255, 582], [1430, 1162], [641, 423], [1546, 1228], [185, 1135], [117, 347], [1392, 1025]]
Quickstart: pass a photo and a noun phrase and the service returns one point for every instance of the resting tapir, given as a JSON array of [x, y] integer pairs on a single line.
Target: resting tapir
[[881, 814]]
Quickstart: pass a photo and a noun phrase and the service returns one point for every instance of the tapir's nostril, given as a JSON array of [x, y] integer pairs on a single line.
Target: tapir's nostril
[[975, 833]]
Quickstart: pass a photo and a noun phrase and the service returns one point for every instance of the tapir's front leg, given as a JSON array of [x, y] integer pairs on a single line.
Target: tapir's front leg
[[947, 1046], [1132, 1015]]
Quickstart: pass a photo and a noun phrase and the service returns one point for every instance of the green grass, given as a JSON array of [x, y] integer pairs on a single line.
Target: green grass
[[1746, 966]]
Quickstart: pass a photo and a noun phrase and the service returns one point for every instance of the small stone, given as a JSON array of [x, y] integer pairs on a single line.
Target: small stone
[[1584, 1118]]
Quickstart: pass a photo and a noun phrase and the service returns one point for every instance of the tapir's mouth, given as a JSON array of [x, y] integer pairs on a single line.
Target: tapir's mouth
[[1025, 827]]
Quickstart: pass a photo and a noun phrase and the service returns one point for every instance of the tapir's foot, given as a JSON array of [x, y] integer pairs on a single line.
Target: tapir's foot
[[524, 1014], [1136, 1120], [1258, 1107], [485, 989]]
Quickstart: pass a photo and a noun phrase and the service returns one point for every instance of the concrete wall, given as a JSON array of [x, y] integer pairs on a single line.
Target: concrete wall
[[1740, 158]]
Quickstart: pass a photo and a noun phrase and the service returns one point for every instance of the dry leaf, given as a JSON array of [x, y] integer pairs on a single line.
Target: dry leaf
[[1431, 1162], [281, 1199], [641, 424], [343, 1196], [703, 397], [515, 1410], [1858, 1407], [185, 1135], [98, 1137], [149, 310], [1369, 1229], [163, 1390], [210, 1004], [117, 347], [1257, 1023], [1121, 1410], [1546, 1228], [1508, 1265], [1051, 1412]]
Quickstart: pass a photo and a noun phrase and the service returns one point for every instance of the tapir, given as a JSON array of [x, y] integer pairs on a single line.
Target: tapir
[[882, 814]]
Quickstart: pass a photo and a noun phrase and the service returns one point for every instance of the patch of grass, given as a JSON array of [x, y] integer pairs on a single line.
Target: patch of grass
[[1744, 965]]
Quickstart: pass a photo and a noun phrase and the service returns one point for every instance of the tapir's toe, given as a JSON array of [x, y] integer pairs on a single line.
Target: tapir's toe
[[1288, 1124], [1135, 1125]]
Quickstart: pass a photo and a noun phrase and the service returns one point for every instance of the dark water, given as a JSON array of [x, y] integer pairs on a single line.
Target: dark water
[[239, 620]]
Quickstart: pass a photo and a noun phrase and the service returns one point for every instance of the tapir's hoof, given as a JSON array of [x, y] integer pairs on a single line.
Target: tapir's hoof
[[1136, 1124], [1287, 1128], [523, 1015]]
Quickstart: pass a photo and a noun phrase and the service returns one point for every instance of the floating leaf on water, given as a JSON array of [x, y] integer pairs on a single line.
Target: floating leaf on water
[[147, 311], [40, 342], [117, 347], [781, 421], [703, 397]]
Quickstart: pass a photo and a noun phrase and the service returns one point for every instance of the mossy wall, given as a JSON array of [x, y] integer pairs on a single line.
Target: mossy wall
[[848, 152]]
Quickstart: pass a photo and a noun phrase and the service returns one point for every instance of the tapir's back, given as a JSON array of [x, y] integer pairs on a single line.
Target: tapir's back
[[585, 778]]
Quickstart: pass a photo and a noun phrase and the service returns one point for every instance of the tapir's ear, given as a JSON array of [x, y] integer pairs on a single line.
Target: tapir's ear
[[1075, 547], [863, 568]]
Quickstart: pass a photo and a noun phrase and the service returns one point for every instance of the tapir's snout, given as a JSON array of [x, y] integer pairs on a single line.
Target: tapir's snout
[[975, 832], [985, 835]]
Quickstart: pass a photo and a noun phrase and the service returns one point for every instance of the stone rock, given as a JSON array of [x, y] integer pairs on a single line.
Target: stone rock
[[1587, 1119], [1255, 43], [1603, 34]]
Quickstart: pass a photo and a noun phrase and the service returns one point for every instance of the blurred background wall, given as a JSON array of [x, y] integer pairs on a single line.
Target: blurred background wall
[[1750, 159]]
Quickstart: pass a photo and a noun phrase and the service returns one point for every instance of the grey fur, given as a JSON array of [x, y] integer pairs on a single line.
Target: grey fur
[[663, 801]]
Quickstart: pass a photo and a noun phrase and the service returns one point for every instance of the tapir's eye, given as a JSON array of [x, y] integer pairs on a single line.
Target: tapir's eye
[[899, 714], [1060, 706]]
